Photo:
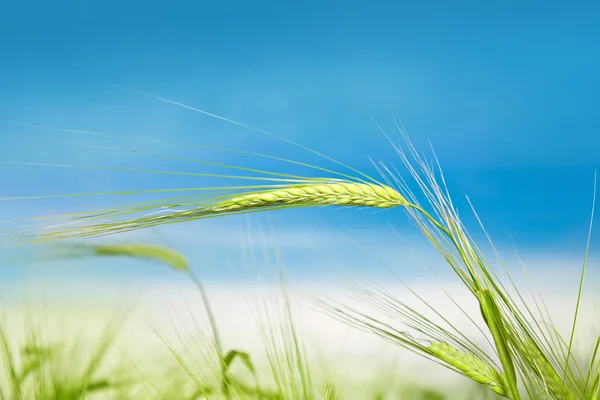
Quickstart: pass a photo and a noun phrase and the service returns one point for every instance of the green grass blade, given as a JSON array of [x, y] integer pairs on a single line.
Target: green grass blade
[[135, 250]]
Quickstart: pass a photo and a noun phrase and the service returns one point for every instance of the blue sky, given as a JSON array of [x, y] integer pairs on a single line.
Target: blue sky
[[507, 94]]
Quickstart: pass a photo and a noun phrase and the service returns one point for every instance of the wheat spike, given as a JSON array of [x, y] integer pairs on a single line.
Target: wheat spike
[[544, 370], [338, 193], [471, 366], [334, 194]]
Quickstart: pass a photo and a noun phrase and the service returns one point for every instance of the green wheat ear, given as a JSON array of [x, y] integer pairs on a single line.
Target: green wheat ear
[[544, 370], [333, 194], [470, 366], [317, 193]]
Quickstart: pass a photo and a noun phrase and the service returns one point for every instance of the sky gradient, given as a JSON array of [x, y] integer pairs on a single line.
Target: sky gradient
[[507, 95]]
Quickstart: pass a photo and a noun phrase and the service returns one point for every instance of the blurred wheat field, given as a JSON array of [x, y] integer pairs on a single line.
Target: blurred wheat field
[[361, 363]]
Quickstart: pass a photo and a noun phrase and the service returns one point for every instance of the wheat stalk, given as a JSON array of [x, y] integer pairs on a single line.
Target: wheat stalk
[[469, 365]]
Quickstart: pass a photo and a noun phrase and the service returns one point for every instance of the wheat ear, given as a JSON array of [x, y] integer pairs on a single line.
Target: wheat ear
[[469, 365], [338, 193], [544, 370], [333, 194]]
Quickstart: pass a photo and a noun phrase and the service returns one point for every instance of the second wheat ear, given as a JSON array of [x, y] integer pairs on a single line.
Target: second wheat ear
[[471, 366]]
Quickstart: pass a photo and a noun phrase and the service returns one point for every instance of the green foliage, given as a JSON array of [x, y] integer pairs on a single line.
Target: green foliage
[[37, 370]]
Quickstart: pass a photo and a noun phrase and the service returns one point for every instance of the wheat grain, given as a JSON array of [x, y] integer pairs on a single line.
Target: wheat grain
[[471, 366]]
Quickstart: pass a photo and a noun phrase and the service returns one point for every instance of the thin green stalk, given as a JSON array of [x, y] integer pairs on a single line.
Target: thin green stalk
[[580, 290], [215, 332], [493, 319]]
